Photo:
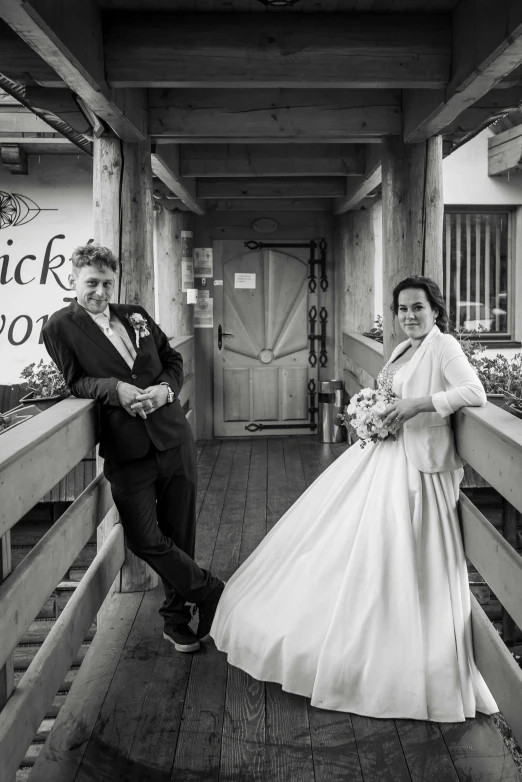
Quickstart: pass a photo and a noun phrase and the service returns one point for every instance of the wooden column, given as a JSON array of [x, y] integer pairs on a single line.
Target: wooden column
[[122, 194], [413, 212], [6, 672], [174, 315], [355, 270]]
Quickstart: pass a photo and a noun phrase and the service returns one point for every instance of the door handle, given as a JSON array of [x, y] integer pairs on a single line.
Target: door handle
[[222, 334]]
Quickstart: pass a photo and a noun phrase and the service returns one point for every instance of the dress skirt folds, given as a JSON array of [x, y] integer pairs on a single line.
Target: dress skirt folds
[[358, 598]]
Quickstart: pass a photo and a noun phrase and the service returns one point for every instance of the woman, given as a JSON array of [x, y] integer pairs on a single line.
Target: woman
[[359, 598]]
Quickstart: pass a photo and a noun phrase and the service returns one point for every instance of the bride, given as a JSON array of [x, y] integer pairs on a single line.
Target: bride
[[358, 598]]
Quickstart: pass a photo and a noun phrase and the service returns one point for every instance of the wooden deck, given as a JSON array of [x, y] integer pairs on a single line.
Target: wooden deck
[[140, 712]]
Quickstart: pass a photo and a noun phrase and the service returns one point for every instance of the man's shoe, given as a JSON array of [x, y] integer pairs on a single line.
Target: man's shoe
[[183, 638], [207, 610]]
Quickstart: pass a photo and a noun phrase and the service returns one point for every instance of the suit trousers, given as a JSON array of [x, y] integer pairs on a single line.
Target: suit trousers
[[156, 499]]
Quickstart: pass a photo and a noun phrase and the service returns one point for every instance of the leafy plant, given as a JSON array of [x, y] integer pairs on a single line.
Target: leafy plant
[[498, 374], [45, 379], [377, 332]]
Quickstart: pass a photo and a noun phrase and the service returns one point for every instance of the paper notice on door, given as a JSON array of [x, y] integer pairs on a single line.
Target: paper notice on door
[[203, 262], [187, 274], [244, 280], [204, 311]]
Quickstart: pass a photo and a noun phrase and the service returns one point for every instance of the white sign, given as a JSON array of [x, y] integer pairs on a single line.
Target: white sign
[[187, 274], [244, 280], [203, 262], [45, 215], [204, 311], [218, 282]]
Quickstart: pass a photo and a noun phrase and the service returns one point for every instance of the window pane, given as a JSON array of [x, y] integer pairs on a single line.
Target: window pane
[[476, 284]]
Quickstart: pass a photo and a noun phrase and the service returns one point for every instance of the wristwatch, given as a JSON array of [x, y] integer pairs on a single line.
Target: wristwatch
[[170, 394]]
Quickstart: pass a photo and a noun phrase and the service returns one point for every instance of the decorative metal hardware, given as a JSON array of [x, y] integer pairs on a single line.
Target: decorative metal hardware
[[323, 246], [312, 246], [222, 334], [312, 281], [312, 336], [312, 410]]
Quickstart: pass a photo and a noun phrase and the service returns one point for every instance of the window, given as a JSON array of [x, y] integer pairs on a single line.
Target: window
[[477, 269]]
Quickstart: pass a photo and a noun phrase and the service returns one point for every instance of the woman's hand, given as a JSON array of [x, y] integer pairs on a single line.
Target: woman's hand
[[403, 409], [400, 411]]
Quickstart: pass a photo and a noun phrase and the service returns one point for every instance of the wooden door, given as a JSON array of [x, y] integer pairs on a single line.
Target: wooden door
[[261, 372]]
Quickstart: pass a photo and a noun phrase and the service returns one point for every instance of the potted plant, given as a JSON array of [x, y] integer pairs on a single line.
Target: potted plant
[[46, 383], [377, 332]]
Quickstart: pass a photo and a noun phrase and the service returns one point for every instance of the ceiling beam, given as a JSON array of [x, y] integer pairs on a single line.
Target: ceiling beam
[[262, 115], [262, 206], [505, 152], [487, 46], [250, 160], [272, 187], [287, 50], [358, 189], [67, 35], [165, 165]]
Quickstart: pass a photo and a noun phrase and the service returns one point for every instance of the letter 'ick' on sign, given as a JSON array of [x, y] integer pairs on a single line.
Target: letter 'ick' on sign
[[244, 280]]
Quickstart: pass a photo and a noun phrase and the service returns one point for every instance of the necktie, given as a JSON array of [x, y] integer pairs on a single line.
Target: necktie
[[126, 352]]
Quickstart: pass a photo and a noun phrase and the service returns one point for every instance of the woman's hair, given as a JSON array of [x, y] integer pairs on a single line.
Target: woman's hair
[[433, 294], [94, 255]]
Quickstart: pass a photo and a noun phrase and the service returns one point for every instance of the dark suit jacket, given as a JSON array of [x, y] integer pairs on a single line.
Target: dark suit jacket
[[92, 366]]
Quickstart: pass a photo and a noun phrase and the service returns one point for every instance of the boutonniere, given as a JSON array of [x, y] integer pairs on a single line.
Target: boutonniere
[[140, 326]]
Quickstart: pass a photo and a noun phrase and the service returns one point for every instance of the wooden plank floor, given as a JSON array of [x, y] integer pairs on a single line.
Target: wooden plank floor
[[169, 717]]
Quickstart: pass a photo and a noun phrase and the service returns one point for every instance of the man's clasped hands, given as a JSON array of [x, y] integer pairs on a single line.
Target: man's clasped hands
[[142, 402]]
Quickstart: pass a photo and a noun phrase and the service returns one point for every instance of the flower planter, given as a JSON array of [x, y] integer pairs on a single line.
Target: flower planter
[[497, 399], [41, 402]]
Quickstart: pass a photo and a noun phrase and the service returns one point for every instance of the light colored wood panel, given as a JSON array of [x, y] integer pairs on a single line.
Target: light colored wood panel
[[22, 122], [184, 346], [244, 50], [358, 189], [268, 187], [23, 595], [505, 152], [364, 351], [248, 160], [294, 395], [490, 440], [236, 395], [26, 708], [174, 315], [285, 114], [265, 394], [67, 431], [68, 36], [497, 562], [498, 667]]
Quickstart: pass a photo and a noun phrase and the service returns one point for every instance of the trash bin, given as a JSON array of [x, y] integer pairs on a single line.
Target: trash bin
[[331, 394]]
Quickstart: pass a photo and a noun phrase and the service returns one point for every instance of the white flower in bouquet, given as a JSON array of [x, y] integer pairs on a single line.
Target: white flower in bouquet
[[365, 415]]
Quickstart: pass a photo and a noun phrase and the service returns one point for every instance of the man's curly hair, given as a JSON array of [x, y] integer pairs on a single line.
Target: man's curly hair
[[93, 255]]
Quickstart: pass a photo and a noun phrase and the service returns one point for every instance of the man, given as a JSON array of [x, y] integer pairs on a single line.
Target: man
[[117, 354]]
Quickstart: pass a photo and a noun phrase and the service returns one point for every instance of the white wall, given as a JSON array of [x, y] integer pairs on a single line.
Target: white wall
[[466, 180], [34, 258]]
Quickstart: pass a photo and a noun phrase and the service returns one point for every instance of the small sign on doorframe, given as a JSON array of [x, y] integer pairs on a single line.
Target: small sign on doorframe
[[203, 262], [244, 280]]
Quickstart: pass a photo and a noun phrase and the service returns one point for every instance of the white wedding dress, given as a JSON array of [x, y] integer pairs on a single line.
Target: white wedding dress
[[358, 598]]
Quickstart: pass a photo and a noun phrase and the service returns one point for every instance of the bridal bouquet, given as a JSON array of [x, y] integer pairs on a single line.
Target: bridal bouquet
[[365, 413]]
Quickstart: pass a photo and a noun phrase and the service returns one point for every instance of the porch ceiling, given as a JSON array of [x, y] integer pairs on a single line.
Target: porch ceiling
[[293, 103]]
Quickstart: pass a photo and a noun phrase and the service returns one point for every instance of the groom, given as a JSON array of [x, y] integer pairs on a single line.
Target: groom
[[118, 355]]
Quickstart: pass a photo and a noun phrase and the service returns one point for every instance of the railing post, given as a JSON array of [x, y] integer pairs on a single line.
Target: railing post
[[7, 671], [510, 517]]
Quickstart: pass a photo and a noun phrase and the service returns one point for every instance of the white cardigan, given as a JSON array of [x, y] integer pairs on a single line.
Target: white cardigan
[[438, 369]]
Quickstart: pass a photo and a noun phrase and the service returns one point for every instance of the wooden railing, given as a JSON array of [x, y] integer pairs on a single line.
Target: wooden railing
[[187, 396], [490, 441], [33, 458]]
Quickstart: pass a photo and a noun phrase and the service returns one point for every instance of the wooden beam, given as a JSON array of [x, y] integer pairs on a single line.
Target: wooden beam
[[60, 102], [358, 189], [67, 34], [505, 152], [487, 46], [14, 158], [248, 160], [264, 206], [305, 50], [271, 187], [165, 165], [273, 114]]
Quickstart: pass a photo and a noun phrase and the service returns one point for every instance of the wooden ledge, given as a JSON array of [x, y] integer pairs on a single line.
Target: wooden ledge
[[176, 342], [366, 352]]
